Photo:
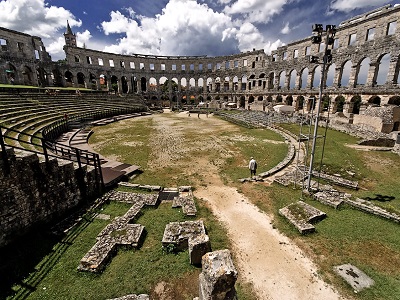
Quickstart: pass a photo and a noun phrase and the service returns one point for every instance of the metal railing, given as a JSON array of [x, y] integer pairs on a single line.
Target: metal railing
[[49, 149]]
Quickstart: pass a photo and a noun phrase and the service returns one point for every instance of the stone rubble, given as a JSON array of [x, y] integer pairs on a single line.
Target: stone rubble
[[302, 215], [218, 277]]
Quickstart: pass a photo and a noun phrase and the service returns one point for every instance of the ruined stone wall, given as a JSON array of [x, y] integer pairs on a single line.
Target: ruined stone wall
[[20, 56], [34, 193]]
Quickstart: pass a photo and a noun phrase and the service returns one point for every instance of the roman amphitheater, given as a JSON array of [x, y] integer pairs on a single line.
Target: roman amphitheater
[[51, 176]]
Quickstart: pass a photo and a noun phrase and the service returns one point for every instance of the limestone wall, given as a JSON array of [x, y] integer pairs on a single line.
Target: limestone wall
[[34, 193]]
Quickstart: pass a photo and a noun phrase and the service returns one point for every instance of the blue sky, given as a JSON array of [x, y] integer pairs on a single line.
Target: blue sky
[[176, 27]]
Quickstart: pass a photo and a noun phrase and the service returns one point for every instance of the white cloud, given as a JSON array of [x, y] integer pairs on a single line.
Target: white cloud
[[35, 17], [183, 27], [257, 11], [269, 47], [82, 38], [346, 5], [286, 29]]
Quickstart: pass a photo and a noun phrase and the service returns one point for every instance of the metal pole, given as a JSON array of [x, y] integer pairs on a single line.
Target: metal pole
[[310, 170]]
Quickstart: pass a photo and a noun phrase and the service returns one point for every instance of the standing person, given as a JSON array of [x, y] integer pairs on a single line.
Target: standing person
[[252, 166]]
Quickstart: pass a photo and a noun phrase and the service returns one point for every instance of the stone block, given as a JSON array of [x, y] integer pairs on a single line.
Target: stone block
[[198, 246], [354, 276], [301, 215], [218, 277]]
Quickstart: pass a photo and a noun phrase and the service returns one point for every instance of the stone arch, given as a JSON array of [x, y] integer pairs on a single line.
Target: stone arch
[[375, 100], [57, 78], [289, 100], [260, 98], [316, 76], [311, 103], [282, 80], [292, 79], [356, 101], [114, 83], [362, 71], [394, 100], [269, 98], [326, 101], [124, 85], [218, 84], [345, 74], [226, 83], [299, 102], [330, 75], [251, 82], [339, 104], [93, 81], [42, 77], [80, 79], [27, 75], [11, 72], [209, 82], [304, 78], [134, 83], [382, 70], [242, 102], [143, 84], [69, 78], [77, 59], [235, 82], [279, 99], [192, 84], [153, 86], [251, 99], [270, 79], [244, 83]]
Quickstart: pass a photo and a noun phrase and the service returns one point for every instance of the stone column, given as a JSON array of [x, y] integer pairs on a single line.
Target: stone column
[[218, 277]]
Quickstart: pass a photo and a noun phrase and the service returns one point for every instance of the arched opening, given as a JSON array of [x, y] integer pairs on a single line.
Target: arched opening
[[383, 69], [345, 76], [93, 81], [304, 78], [80, 78], [251, 99], [375, 100], [242, 102], [330, 77], [317, 77], [289, 100], [292, 82], [363, 69], [143, 84], [282, 78], [271, 77], [114, 83], [260, 98], [356, 100], [134, 83], [27, 75], [69, 78], [57, 78], [42, 77], [124, 85], [394, 100], [299, 102], [279, 99], [339, 103]]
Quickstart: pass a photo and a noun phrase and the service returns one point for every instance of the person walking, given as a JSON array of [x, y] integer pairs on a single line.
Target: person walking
[[252, 167]]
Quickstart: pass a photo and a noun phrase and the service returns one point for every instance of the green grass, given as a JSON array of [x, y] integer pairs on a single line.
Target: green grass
[[130, 271], [345, 236]]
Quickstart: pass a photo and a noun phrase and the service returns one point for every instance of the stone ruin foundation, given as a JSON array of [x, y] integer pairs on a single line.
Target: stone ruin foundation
[[302, 215], [218, 277], [187, 235]]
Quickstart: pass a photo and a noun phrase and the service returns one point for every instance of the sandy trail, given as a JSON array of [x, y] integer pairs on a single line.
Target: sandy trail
[[276, 267]]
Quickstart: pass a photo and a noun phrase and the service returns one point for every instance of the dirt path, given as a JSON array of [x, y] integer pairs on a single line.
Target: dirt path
[[277, 268]]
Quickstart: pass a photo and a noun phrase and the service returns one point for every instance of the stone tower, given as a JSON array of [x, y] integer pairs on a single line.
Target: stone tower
[[70, 38]]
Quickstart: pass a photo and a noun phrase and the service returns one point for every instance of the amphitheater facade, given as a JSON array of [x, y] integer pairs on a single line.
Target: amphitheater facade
[[364, 71]]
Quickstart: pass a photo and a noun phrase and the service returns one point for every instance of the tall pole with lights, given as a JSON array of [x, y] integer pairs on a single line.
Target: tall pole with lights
[[318, 32]]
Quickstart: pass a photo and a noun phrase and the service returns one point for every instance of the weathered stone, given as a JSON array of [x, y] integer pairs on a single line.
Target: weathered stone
[[198, 246], [179, 233], [218, 277], [354, 276], [301, 215]]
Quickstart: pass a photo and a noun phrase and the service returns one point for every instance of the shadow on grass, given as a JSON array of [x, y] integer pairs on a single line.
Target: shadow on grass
[[20, 259], [380, 198], [29, 259]]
